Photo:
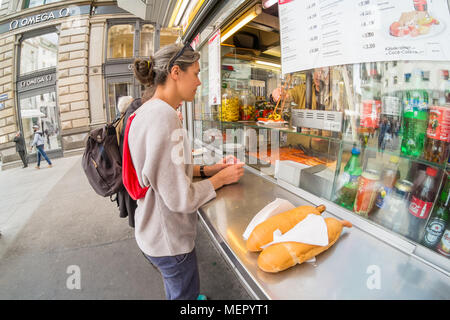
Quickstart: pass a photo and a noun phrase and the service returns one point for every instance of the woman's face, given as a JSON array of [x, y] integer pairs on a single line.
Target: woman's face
[[188, 82]]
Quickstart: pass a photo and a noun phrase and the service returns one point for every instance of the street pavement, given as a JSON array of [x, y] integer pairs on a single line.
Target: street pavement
[[60, 240]]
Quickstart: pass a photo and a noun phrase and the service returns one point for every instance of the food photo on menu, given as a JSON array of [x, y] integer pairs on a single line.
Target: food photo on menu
[[419, 21]]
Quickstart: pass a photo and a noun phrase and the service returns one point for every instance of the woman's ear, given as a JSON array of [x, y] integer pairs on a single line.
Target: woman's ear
[[175, 72]]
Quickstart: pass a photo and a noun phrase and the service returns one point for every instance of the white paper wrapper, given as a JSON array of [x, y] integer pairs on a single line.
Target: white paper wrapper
[[275, 207], [311, 230]]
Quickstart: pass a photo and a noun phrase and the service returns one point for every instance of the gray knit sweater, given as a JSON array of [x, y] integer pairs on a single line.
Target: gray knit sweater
[[166, 219]]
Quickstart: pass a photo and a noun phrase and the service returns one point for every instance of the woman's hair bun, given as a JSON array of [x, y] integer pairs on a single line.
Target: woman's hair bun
[[143, 70]]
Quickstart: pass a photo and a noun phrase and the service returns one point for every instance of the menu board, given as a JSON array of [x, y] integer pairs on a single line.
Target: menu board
[[319, 33], [214, 68]]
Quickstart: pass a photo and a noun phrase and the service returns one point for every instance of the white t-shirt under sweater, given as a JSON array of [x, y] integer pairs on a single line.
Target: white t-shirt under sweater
[[166, 219]]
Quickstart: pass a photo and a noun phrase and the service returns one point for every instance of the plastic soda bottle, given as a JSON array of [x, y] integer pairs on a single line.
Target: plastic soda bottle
[[420, 206], [415, 117], [389, 177], [348, 182], [437, 144]]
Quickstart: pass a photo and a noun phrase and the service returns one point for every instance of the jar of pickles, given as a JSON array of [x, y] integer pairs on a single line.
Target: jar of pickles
[[247, 108], [230, 105]]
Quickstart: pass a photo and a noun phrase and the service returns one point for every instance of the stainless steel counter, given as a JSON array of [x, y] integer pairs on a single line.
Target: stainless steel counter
[[358, 266]]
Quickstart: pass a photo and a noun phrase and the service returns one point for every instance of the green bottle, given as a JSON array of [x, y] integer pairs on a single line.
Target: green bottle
[[348, 182], [415, 117], [439, 218], [353, 166]]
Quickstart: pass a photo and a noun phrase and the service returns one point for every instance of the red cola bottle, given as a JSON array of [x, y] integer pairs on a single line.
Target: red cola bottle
[[421, 203]]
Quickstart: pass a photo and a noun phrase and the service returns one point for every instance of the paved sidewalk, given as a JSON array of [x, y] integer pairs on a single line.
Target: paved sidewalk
[[53, 223]]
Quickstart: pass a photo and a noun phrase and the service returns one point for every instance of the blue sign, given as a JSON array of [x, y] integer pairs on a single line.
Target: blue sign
[[2, 106], [3, 97]]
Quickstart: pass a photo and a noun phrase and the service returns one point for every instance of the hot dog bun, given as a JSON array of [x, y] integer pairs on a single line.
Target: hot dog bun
[[263, 232], [281, 256]]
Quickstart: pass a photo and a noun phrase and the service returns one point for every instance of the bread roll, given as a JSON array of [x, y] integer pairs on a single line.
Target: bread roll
[[263, 232], [281, 256]]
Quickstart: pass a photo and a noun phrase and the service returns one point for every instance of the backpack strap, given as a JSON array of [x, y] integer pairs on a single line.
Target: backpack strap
[[118, 119], [118, 126], [129, 176]]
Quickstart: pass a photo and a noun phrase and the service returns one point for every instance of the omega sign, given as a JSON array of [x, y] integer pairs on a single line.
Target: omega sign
[[42, 80], [42, 17]]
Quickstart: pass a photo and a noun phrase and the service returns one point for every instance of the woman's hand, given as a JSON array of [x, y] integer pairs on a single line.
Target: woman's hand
[[228, 175], [222, 164]]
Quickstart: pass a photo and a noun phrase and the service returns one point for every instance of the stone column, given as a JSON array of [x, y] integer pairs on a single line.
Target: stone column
[[8, 118], [72, 84], [96, 83]]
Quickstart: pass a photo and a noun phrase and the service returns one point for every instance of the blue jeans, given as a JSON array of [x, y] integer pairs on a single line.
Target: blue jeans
[[40, 151], [180, 275]]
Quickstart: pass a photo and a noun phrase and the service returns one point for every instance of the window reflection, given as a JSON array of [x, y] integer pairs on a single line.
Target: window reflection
[[38, 53], [36, 3], [41, 110], [120, 41], [115, 91], [147, 40], [168, 36]]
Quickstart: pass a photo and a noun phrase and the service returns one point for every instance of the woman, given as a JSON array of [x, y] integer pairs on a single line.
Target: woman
[[166, 219]]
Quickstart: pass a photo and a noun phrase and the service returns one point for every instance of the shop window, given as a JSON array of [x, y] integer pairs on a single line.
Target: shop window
[[168, 36], [120, 41], [41, 109], [146, 40], [38, 53], [115, 91], [37, 3]]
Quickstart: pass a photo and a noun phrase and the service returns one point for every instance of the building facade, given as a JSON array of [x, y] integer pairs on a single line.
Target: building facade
[[63, 66]]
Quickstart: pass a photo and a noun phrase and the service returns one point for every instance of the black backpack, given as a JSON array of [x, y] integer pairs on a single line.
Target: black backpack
[[102, 161]]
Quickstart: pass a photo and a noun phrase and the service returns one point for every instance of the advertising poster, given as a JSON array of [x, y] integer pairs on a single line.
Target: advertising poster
[[214, 68], [319, 33]]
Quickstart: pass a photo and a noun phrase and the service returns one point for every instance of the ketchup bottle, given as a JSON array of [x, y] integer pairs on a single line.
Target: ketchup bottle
[[421, 203]]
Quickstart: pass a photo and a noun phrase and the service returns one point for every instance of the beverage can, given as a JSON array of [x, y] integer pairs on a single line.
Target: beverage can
[[403, 189], [439, 123], [444, 245], [367, 191], [398, 205], [433, 232]]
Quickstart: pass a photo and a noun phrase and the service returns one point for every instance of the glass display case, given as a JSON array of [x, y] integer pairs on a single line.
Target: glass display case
[[372, 137], [394, 150]]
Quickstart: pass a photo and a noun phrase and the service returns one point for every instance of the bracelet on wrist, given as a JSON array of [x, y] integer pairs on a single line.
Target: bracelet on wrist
[[202, 172]]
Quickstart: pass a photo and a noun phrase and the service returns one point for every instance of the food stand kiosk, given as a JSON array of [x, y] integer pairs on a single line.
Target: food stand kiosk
[[358, 124]]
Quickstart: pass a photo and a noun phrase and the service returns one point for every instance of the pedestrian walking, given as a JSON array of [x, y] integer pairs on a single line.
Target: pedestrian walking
[[166, 218], [20, 148], [38, 142]]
